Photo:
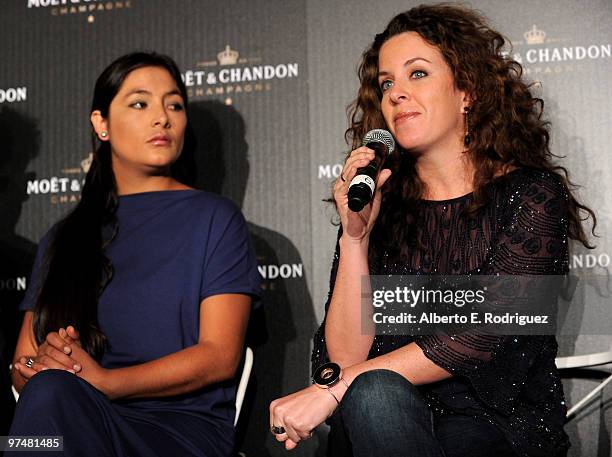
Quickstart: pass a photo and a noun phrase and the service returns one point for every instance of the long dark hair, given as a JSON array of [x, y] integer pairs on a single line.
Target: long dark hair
[[77, 268], [505, 119]]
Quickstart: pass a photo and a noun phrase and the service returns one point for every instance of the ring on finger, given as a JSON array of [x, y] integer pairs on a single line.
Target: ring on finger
[[277, 430], [29, 362], [342, 178]]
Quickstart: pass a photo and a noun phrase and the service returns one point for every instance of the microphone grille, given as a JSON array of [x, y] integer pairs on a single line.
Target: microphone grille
[[381, 136]]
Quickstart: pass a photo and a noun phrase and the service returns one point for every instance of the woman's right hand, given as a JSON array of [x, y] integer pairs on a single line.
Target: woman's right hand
[[52, 353], [357, 226]]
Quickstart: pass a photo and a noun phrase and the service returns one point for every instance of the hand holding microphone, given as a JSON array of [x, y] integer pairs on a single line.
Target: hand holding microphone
[[358, 183], [363, 185]]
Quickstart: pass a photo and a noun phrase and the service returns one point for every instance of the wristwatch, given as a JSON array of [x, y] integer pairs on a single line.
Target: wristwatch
[[327, 376]]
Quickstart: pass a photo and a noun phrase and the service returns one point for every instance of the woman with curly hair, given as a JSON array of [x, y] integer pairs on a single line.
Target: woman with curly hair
[[471, 190]]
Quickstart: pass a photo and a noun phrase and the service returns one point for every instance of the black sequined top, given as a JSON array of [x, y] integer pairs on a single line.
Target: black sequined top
[[510, 381]]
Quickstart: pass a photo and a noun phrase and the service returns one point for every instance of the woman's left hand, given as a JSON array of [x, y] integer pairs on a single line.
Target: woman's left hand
[[90, 371], [300, 413]]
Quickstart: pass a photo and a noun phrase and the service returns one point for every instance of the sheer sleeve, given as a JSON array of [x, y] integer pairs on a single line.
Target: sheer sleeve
[[531, 239]]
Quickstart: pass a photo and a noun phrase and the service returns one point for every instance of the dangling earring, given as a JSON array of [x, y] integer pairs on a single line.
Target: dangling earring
[[467, 139]]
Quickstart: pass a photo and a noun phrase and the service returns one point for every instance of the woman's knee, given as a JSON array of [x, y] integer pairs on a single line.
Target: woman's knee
[[374, 384], [50, 387], [382, 397], [380, 393]]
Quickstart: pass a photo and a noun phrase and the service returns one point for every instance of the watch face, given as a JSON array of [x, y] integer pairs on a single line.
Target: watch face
[[327, 374]]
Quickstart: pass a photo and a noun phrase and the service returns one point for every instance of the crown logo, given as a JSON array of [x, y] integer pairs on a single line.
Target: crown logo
[[228, 56], [86, 163], [535, 36]]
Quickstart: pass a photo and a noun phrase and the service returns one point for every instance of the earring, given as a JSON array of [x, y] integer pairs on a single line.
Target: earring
[[104, 134], [467, 139]]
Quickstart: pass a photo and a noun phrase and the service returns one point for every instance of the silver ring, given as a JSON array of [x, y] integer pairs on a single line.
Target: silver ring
[[277, 430], [29, 362]]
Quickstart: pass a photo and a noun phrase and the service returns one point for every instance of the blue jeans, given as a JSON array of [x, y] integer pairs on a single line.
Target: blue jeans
[[383, 414]]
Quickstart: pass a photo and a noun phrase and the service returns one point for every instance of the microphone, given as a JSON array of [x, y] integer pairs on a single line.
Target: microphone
[[363, 185]]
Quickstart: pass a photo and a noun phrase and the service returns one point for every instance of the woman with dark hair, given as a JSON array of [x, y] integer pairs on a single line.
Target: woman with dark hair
[[471, 190], [139, 298]]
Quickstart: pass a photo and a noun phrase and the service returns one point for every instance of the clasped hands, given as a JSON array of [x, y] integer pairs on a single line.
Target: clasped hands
[[299, 413], [62, 350]]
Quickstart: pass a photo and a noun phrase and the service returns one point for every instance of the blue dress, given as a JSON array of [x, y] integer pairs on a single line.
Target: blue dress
[[173, 249]]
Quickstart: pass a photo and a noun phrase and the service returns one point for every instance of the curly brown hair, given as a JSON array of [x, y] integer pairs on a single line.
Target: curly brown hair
[[505, 118]]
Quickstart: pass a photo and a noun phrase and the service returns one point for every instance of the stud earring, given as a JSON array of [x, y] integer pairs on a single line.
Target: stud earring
[[467, 138], [104, 134]]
